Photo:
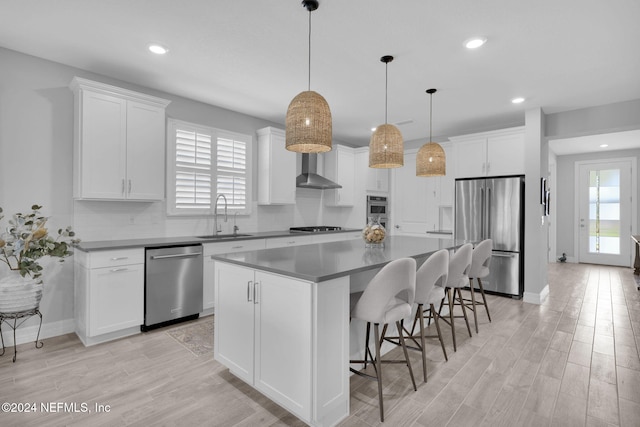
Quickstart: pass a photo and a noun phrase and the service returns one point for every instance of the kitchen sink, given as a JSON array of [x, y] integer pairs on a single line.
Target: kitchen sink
[[223, 236]]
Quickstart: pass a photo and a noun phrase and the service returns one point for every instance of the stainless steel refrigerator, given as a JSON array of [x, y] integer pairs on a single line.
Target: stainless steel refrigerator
[[493, 208]]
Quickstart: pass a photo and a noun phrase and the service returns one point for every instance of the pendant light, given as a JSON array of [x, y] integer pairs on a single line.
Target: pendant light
[[308, 120], [431, 160], [386, 148]]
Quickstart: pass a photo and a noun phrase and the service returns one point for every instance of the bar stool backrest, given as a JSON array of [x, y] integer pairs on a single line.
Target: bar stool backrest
[[481, 259], [459, 265], [434, 271], [389, 294]]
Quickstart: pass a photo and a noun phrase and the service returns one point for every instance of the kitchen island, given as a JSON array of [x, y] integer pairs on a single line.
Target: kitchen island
[[282, 318]]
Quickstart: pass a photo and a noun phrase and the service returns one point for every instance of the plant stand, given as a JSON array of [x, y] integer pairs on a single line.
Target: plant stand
[[19, 317]]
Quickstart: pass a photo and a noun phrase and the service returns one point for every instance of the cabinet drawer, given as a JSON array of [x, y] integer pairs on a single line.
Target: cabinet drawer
[[230, 247], [101, 259], [281, 242]]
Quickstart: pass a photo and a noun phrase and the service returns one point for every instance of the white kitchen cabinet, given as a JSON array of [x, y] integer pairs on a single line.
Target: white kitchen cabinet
[[376, 180], [119, 143], [109, 294], [264, 334], [415, 199], [208, 274], [339, 164], [276, 169], [494, 153]]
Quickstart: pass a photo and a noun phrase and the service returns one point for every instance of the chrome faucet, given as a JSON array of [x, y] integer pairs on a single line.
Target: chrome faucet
[[215, 213], [235, 227]]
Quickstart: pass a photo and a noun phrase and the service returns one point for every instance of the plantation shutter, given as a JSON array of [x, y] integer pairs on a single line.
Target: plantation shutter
[[193, 181], [232, 170]]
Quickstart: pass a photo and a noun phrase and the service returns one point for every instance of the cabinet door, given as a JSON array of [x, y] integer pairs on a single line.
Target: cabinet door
[[505, 155], [208, 274], [102, 146], [145, 151], [276, 169], [415, 201], [447, 182], [116, 298], [339, 167], [471, 158], [283, 341], [233, 337]]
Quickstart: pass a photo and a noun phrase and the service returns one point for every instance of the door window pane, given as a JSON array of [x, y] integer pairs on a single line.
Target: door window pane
[[604, 211]]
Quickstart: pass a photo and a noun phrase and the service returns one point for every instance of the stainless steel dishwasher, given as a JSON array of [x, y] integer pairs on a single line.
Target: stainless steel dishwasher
[[173, 285]]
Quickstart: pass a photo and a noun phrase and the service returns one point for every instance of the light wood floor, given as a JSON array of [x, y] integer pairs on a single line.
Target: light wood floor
[[572, 361]]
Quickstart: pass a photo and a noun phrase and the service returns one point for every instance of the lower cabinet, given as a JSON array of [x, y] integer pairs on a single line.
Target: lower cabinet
[[109, 294], [208, 274], [267, 332]]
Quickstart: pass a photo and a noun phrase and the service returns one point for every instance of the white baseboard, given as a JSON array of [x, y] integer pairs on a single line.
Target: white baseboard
[[534, 298], [30, 333]]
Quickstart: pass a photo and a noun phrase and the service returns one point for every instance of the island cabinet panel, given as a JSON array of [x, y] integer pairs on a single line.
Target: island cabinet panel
[[286, 337], [119, 143]]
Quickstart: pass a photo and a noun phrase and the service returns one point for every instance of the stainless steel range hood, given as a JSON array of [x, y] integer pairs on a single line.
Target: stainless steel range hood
[[309, 177]]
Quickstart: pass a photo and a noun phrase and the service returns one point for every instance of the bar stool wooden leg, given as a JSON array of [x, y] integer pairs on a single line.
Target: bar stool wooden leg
[[435, 320], [453, 328], [484, 299], [378, 366], [473, 304], [464, 311], [422, 342], [406, 354]]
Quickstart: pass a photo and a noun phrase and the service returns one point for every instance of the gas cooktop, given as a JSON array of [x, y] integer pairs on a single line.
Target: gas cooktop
[[315, 229]]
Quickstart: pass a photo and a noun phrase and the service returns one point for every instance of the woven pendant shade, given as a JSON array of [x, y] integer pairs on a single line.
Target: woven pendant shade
[[431, 160], [386, 148], [308, 124]]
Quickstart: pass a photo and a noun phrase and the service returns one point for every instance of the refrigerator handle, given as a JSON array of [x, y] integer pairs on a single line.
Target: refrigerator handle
[[482, 212], [488, 233]]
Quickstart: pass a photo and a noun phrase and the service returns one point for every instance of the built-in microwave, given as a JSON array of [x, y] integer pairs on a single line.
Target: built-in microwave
[[378, 207]]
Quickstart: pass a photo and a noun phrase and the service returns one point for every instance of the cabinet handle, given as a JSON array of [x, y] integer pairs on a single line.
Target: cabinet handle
[[129, 186], [291, 243], [122, 185], [255, 292], [249, 283], [119, 258], [115, 270], [488, 167], [237, 247]]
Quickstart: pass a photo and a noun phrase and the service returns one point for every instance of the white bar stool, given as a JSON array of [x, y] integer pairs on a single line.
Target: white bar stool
[[480, 262], [387, 298], [459, 265]]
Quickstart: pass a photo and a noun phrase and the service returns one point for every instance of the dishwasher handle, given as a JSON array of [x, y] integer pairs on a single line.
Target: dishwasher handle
[[191, 255]]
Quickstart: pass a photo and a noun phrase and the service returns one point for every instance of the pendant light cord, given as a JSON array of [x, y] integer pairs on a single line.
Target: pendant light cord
[[386, 89], [309, 77], [430, 115]]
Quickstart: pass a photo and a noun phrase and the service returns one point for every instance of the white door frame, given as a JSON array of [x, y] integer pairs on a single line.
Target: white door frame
[[634, 202]]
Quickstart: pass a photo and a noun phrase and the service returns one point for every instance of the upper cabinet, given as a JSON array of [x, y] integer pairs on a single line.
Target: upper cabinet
[[493, 153], [339, 164], [375, 180], [119, 143], [276, 169]]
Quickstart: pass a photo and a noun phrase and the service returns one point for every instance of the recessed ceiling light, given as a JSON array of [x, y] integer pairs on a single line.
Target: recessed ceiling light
[[158, 49], [604, 145], [518, 100], [475, 42]]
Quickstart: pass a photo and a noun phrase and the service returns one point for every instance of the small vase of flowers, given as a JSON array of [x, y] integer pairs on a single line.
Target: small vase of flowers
[[22, 243]]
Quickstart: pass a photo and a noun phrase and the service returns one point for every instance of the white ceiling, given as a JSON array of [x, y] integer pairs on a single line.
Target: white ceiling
[[251, 56], [592, 143]]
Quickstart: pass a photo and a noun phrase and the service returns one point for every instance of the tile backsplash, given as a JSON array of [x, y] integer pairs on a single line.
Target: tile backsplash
[[107, 220]]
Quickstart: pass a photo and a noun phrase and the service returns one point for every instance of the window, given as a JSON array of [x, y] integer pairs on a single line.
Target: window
[[203, 162]]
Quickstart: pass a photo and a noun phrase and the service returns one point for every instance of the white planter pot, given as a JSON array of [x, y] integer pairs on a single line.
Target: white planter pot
[[19, 294]]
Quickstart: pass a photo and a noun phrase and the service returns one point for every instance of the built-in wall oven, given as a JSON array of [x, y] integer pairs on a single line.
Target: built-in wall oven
[[378, 207]]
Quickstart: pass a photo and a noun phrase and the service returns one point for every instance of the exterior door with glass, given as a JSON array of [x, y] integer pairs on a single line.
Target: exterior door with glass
[[605, 208]]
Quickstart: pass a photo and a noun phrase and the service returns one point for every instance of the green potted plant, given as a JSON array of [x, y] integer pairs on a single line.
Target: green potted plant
[[22, 243]]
